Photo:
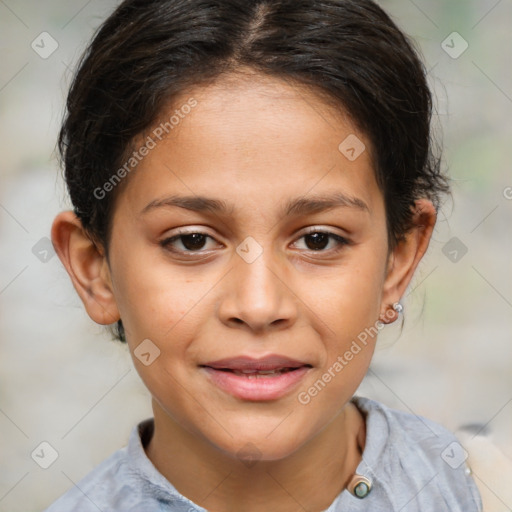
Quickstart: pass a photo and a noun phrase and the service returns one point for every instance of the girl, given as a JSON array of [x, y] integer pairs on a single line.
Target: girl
[[254, 186]]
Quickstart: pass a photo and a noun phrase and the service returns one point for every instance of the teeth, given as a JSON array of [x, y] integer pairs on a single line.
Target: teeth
[[252, 374], [256, 375]]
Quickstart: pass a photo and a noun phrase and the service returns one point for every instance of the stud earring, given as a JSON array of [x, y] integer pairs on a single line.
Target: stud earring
[[397, 306]]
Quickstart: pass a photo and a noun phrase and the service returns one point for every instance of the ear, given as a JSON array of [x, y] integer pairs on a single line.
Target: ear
[[406, 256], [87, 267]]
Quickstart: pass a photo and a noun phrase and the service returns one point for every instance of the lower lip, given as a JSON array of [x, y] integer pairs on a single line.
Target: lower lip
[[256, 389]]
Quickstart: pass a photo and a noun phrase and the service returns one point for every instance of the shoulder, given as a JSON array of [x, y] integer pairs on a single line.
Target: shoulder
[[125, 481], [90, 492], [418, 459], [491, 464]]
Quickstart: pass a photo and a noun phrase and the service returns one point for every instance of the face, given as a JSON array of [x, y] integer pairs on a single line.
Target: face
[[247, 233]]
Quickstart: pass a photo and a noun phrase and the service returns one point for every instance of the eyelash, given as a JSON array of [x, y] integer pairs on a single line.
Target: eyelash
[[166, 243]]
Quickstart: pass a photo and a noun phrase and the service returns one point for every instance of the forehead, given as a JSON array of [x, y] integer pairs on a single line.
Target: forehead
[[257, 141]]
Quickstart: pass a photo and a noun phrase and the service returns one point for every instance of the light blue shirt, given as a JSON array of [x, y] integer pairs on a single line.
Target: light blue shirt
[[414, 464]]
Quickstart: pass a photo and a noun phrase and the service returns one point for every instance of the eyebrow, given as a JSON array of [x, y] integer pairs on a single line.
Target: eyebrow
[[299, 206]]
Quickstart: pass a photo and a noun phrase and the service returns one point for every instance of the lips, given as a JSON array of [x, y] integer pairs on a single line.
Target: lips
[[269, 364], [250, 379]]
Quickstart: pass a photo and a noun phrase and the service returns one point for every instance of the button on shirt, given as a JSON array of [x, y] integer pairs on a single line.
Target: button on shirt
[[414, 465]]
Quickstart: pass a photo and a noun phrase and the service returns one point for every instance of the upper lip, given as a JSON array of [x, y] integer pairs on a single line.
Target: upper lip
[[270, 362]]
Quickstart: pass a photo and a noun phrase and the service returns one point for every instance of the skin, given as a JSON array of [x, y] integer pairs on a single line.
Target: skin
[[255, 144]]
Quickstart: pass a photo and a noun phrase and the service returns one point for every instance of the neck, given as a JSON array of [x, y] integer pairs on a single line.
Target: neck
[[310, 478]]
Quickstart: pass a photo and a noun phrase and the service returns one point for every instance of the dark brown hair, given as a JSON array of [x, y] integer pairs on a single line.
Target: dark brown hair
[[150, 51]]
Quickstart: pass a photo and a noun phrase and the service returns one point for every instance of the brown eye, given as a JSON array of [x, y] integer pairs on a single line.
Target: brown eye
[[318, 241], [190, 242], [194, 241]]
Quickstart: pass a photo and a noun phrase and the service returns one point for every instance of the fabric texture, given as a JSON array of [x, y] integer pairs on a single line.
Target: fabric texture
[[414, 464]]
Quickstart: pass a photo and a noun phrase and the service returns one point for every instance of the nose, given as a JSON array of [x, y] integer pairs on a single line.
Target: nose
[[258, 296]]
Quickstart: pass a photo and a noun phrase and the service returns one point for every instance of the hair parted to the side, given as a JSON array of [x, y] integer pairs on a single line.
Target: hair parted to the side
[[150, 51]]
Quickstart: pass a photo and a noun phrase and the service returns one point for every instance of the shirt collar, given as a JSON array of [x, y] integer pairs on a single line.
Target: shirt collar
[[141, 465], [164, 491]]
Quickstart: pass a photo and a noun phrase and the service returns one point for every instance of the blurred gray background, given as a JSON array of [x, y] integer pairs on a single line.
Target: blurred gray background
[[64, 382]]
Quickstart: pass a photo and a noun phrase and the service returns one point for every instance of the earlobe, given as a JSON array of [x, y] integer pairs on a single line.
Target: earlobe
[[408, 253], [87, 267]]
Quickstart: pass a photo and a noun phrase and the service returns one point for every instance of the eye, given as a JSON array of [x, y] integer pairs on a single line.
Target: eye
[[317, 240], [190, 242]]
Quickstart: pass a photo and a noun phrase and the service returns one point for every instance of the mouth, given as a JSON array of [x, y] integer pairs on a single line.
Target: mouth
[[254, 374], [245, 365], [251, 379]]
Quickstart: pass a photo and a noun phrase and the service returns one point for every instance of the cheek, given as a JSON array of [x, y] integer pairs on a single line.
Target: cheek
[[347, 308], [348, 300], [151, 298]]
